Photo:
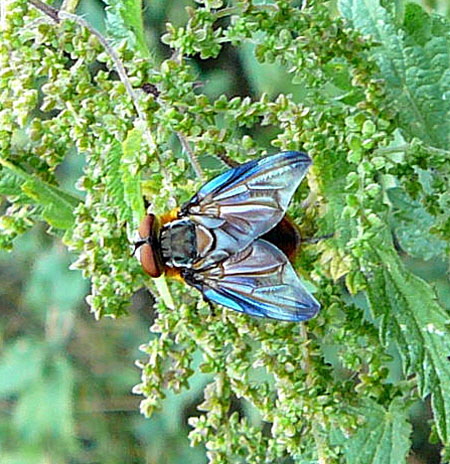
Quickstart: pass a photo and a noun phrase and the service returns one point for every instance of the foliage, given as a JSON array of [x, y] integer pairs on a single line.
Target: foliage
[[370, 104]]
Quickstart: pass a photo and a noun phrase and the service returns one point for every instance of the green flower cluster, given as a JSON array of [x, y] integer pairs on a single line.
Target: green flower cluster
[[370, 114]]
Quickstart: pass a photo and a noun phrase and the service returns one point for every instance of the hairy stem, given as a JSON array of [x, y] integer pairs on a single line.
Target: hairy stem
[[320, 440], [57, 15]]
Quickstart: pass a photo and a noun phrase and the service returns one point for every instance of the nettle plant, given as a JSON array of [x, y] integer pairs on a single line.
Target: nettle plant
[[373, 115]]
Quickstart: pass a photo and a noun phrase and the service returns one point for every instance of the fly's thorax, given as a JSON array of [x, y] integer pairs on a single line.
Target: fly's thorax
[[205, 240], [178, 243], [183, 242]]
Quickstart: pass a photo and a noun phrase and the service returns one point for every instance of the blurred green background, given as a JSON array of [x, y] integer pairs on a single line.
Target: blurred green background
[[66, 379]]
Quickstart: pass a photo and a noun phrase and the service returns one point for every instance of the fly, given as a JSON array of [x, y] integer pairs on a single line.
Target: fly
[[230, 240]]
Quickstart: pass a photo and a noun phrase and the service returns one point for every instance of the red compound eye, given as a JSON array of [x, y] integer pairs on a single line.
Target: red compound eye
[[146, 226], [148, 252]]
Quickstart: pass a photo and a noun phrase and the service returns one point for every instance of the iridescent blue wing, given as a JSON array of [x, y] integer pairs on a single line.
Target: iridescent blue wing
[[259, 281], [245, 202]]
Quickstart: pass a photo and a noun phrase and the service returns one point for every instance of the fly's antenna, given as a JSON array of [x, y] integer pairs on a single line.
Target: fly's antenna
[[137, 245]]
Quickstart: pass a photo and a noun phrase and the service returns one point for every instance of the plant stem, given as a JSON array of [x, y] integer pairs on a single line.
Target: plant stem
[[46, 9], [191, 155], [321, 443], [57, 15]]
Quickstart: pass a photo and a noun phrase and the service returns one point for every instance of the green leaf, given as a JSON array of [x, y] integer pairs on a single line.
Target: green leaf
[[115, 186], [51, 284], [412, 224], [123, 183], [60, 218], [124, 21], [131, 180], [384, 438], [411, 316], [9, 184], [415, 69], [49, 405], [20, 367], [417, 24], [58, 205]]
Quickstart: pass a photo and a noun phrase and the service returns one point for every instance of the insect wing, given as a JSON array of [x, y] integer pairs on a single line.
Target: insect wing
[[258, 281], [245, 202]]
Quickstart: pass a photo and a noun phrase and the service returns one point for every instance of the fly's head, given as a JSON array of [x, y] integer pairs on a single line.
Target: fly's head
[[147, 248]]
